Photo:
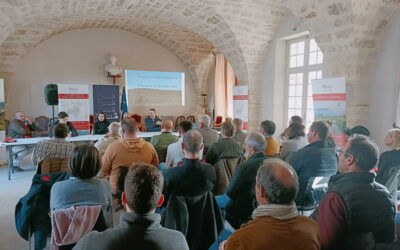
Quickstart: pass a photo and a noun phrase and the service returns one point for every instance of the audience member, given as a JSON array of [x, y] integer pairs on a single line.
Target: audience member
[[100, 127], [140, 227], [284, 135], [389, 160], [192, 177], [113, 135], [315, 159], [226, 147], [296, 140], [241, 188], [361, 130], [210, 136], [63, 118], [162, 141], [20, 128], [83, 188], [175, 152], [153, 122], [130, 150], [275, 223], [239, 134], [272, 148], [126, 115], [356, 212], [57, 147]]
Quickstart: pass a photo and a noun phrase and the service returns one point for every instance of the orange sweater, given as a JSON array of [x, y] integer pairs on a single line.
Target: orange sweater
[[299, 233], [272, 148], [123, 154]]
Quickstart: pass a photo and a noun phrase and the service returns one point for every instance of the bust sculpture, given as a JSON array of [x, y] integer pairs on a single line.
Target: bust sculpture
[[112, 68]]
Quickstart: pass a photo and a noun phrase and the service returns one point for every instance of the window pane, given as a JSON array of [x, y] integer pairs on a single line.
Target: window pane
[[300, 47], [310, 104], [320, 57], [313, 45], [297, 112], [308, 125], [299, 78], [291, 102], [319, 74], [300, 60], [299, 90], [313, 58], [310, 115], [311, 76], [292, 79], [293, 49], [298, 102], [292, 90], [290, 113], [309, 90], [293, 61]]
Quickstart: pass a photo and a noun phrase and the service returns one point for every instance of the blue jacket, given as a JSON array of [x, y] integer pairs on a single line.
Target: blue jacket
[[315, 159], [151, 124], [34, 207]]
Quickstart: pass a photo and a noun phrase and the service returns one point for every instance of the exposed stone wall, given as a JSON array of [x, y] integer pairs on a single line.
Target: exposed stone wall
[[346, 31]]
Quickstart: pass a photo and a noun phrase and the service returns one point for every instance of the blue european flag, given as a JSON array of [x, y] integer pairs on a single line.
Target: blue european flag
[[124, 105]]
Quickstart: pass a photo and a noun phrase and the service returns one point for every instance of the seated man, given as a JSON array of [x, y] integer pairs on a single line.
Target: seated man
[[275, 223], [20, 128], [123, 153], [315, 159], [162, 141], [153, 123], [192, 177], [175, 152], [272, 148], [113, 135], [227, 147], [356, 212], [57, 147], [239, 134], [210, 135], [63, 118], [241, 188], [140, 226]]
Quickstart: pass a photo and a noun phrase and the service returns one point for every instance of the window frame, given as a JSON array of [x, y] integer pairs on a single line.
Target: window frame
[[305, 69]]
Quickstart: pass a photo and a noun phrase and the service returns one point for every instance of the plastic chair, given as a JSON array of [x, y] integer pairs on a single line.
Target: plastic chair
[[317, 186]]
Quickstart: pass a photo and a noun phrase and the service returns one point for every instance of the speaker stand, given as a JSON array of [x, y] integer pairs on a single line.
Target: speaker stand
[[52, 106]]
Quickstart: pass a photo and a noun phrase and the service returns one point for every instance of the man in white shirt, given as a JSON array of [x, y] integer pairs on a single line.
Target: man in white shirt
[[174, 151]]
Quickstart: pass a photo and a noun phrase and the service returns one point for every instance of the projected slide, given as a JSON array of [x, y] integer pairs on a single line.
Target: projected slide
[[155, 87]]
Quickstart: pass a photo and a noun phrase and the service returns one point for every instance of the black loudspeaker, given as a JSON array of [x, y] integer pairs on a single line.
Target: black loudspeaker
[[51, 94]]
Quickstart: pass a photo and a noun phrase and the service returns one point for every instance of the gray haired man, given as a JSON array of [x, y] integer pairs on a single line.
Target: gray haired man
[[241, 188], [209, 135]]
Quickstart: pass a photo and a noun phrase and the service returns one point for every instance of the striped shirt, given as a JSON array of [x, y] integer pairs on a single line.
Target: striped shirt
[[53, 148]]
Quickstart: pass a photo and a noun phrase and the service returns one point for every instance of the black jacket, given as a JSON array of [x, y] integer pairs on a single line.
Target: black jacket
[[370, 209], [101, 128], [34, 207], [241, 191]]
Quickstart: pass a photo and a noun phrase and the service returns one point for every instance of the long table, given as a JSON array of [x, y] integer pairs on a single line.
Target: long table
[[81, 138]]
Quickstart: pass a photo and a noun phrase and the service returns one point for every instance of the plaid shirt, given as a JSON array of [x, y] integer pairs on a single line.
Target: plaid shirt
[[54, 148]]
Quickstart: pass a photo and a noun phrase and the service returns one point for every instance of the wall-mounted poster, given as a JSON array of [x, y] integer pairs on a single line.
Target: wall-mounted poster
[[74, 100], [106, 99], [2, 112], [329, 96], [240, 104]]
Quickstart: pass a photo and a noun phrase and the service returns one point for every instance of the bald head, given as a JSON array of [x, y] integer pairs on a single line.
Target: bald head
[[279, 180], [167, 126]]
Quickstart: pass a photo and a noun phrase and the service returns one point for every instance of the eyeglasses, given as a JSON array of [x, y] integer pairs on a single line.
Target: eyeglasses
[[342, 152]]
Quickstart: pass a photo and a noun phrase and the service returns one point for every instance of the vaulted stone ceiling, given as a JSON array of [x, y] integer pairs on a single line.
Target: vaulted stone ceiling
[[346, 30]]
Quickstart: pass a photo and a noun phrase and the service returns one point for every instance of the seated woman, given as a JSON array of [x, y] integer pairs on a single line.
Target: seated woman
[[389, 159], [296, 140], [113, 136], [83, 188], [100, 127]]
